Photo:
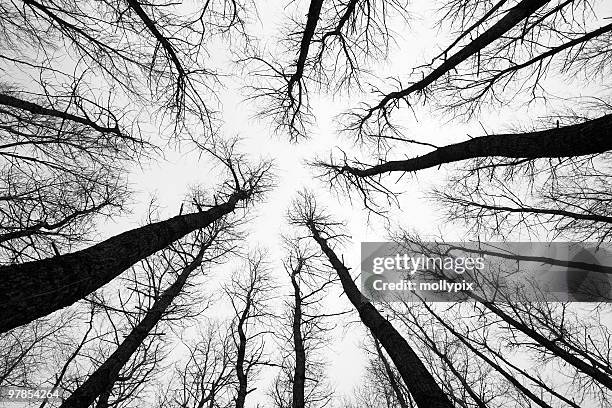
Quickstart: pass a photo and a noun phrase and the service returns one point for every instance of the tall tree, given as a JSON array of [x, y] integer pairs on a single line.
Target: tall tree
[[421, 384], [305, 330], [335, 43], [189, 258], [60, 281], [249, 292]]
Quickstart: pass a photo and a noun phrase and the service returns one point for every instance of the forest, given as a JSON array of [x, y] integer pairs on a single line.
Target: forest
[[189, 190]]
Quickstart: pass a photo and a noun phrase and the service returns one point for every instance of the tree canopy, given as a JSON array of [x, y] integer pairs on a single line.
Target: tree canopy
[[284, 119]]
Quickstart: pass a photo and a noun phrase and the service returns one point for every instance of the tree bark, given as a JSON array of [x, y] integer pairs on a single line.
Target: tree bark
[[299, 375], [35, 289], [420, 382], [591, 137], [101, 379]]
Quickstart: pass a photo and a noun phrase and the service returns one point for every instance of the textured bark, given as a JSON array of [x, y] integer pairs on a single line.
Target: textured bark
[[420, 382], [104, 397], [35, 289], [591, 137], [299, 374], [513, 17], [99, 383]]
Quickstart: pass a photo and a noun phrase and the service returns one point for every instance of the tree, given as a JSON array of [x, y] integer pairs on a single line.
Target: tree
[[66, 144], [189, 257], [518, 54], [335, 43], [60, 281], [249, 293], [587, 139], [421, 384], [68, 136], [59, 171], [206, 379], [517, 323], [303, 332]]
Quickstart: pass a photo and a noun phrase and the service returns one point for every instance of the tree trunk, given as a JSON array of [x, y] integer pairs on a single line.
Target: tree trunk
[[35, 289], [420, 382], [513, 17], [314, 11], [591, 137], [107, 373], [299, 375], [240, 358]]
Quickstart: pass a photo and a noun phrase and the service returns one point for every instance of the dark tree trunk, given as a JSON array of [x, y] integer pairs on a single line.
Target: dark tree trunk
[[314, 11], [104, 397], [240, 358], [35, 289], [591, 137], [299, 375], [103, 378], [420, 382], [513, 17]]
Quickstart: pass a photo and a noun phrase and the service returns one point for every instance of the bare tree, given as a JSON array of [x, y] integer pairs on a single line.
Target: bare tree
[[420, 382], [502, 51], [206, 379], [137, 47], [304, 331], [60, 281], [587, 139], [181, 262], [496, 42], [517, 322], [249, 293], [68, 143], [335, 44]]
